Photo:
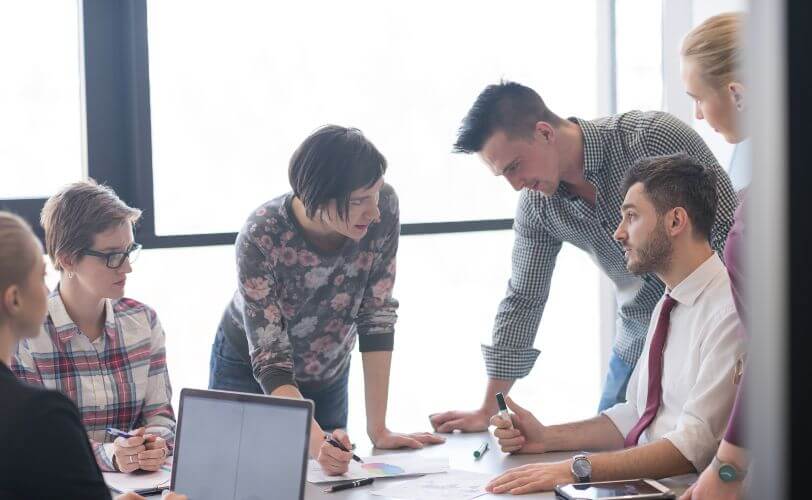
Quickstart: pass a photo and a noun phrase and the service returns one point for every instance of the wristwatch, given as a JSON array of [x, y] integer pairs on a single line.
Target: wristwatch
[[581, 469], [728, 472]]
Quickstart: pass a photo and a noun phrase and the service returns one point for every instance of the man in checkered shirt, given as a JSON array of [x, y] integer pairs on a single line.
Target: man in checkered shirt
[[571, 174]]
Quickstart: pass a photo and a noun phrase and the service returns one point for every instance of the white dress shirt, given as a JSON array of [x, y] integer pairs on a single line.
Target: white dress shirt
[[698, 367]]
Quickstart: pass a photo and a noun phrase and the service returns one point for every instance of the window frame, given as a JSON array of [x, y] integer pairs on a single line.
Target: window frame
[[118, 135]]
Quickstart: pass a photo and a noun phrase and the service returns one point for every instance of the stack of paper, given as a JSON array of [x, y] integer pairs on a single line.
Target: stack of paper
[[137, 481], [451, 485]]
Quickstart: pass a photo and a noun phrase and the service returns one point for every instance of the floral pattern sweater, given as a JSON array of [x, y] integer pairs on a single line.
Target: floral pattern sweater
[[297, 311]]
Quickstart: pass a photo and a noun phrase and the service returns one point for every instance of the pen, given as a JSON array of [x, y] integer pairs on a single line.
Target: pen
[[481, 450], [503, 411], [342, 448], [151, 491], [349, 484], [118, 433]]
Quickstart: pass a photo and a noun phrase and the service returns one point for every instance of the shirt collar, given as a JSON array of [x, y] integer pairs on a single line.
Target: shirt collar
[[65, 327], [689, 289], [593, 149]]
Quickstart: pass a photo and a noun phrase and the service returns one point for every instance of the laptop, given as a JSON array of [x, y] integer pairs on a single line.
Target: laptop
[[230, 445]]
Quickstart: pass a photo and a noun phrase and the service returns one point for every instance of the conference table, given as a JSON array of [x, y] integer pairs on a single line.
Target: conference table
[[459, 449]]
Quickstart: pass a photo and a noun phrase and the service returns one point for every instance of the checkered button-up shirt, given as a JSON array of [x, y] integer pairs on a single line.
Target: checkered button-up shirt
[[611, 146], [118, 380]]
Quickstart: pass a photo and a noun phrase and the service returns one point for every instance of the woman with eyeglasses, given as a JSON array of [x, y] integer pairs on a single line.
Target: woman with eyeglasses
[[102, 350], [34, 421]]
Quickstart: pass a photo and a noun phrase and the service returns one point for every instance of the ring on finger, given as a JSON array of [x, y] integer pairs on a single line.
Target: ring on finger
[[130, 460]]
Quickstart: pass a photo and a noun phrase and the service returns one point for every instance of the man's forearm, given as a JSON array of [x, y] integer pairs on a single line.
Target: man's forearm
[[377, 365], [495, 385], [597, 433], [652, 460]]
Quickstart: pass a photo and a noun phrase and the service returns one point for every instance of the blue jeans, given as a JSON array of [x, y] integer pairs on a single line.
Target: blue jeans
[[614, 388], [228, 372]]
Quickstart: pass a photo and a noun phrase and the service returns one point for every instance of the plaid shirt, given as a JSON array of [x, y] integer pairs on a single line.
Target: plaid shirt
[[611, 145], [119, 380]]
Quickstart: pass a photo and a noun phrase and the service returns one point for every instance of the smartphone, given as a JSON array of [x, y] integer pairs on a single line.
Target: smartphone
[[634, 489]]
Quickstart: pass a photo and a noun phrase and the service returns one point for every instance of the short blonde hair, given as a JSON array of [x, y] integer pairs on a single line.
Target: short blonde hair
[[76, 214], [716, 47], [16, 256]]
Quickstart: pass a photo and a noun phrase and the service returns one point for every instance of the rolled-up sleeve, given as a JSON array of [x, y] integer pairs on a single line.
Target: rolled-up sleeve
[[377, 314], [625, 415], [268, 343], [704, 416], [511, 354]]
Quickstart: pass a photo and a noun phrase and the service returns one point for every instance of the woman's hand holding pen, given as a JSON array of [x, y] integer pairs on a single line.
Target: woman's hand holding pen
[[137, 450], [126, 450], [155, 454], [333, 460]]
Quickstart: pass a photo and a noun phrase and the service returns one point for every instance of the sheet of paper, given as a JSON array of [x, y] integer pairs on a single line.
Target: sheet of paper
[[141, 480], [394, 465], [451, 485]]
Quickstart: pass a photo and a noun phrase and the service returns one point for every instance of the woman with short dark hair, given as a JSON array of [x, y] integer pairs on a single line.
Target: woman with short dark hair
[[316, 267]]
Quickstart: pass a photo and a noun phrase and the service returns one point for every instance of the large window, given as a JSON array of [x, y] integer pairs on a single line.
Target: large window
[[638, 52], [235, 87], [448, 286], [40, 121]]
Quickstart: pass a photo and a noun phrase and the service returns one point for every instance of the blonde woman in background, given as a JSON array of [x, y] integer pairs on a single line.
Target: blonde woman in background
[[45, 451], [711, 72]]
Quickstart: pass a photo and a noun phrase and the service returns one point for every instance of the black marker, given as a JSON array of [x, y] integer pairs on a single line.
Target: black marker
[[342, 448], [503, 410], [481, 450], [349, 484]]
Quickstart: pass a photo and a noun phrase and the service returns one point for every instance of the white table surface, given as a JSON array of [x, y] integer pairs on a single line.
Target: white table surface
[[459, 449]]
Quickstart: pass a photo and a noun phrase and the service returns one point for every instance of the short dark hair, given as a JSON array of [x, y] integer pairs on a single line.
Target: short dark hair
[[506, 106], [330, 164], [678, 180]]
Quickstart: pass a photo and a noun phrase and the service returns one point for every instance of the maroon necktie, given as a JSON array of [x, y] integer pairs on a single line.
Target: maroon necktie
[[655, 373]]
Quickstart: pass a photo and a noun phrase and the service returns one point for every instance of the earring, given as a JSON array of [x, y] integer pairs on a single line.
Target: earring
[[70, 274]]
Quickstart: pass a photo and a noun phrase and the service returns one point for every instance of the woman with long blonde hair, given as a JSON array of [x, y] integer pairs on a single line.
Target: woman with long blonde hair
[[712, 74]]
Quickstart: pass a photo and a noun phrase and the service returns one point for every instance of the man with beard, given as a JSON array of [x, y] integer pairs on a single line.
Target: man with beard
[[570, 173], [682, 389]]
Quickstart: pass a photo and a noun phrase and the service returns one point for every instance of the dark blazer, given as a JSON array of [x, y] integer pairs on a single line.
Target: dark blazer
[[44, 450]]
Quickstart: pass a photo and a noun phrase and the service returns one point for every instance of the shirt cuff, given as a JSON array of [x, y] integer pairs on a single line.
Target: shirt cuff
[[624, 416], [371, 342], [274, 378], [507, 363], [696, 444], [105, 456]]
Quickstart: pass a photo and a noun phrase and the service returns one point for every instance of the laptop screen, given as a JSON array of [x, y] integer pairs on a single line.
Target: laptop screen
[[240, 447]]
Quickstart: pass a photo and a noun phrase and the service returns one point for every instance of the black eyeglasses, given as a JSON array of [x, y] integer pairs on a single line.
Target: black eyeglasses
[[114, 260]]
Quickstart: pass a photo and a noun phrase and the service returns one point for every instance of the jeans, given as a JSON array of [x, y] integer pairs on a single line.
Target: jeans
[[614, 388], [228, 372]]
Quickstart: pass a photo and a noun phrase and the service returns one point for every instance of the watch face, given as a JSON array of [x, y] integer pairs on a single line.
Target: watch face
[[582, 468], [727, 473]]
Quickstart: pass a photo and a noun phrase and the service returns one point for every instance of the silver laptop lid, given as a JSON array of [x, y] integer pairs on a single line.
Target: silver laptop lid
[[240, 446]]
